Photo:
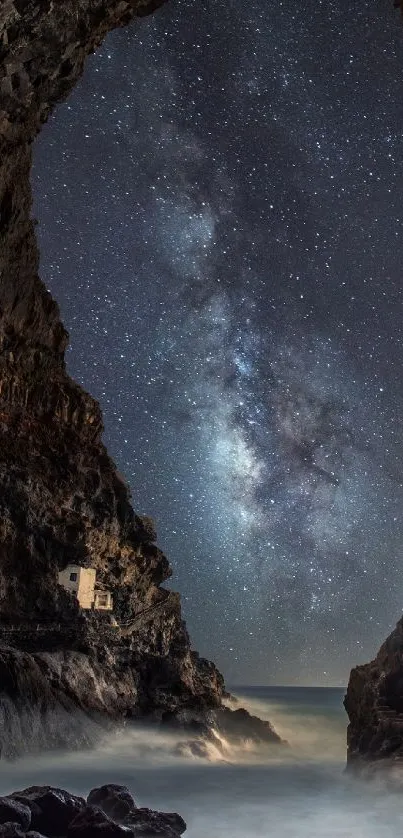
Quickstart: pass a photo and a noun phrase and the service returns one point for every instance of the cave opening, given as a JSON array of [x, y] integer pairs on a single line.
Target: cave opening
[[206, 222]]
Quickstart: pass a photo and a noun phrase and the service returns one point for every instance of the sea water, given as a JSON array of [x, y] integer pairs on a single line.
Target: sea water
[[298, 791]]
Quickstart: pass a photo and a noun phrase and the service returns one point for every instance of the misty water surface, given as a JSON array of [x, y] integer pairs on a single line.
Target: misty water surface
[[300, 791]]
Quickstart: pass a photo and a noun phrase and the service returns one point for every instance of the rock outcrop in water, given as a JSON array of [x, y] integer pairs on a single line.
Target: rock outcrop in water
[[374, 703], [108, 812], [62, 501]]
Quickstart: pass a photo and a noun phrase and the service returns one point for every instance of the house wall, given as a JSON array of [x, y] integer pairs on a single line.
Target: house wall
[[64, 577], [85, 594], [83, 586]]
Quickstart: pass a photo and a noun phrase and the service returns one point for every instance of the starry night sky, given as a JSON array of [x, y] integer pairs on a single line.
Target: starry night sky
[[221, 221]]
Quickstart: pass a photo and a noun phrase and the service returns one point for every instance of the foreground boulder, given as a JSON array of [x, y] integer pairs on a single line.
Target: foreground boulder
[[11, 829], [15, 812], [51, 809], [92, 822], [48, 812], [118, 804], [115, 801], [147, 822], [374, 703]]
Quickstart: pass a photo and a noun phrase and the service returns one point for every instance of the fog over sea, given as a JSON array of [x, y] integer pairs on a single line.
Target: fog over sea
[[296, 792]]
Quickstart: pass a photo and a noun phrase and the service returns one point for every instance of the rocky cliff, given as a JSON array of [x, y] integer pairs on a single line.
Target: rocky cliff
[[61, 498], [374, 703], [374, 700]]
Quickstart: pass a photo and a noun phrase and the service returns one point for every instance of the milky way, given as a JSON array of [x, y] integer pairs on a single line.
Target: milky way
[[221, 221]]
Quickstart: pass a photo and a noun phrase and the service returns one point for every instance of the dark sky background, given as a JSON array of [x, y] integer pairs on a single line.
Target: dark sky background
[[221, 221]]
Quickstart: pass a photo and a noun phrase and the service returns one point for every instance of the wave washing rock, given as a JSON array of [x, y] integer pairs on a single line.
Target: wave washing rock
[[108, 812], [374, 703], [65, 672]]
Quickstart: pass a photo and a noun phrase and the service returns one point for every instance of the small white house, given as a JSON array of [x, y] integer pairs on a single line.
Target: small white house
[[81, 582]]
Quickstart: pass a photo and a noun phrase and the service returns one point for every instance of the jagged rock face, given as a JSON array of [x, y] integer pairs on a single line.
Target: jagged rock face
[[374, 703], [61, 497]]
